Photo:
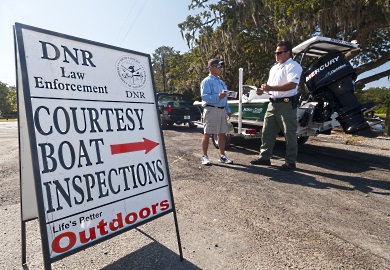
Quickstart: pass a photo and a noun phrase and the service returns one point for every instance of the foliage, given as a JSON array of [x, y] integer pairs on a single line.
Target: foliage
[[244, 32], [226, 30], [3, 98], [13, 100], [379, 95], [161, 68], [187, 72], [8, 101], [366, 21]]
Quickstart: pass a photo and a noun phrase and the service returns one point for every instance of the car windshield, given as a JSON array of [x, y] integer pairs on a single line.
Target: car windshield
[[170, 98]]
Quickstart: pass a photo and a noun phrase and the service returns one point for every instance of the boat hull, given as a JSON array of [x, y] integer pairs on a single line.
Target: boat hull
[[252, 112]]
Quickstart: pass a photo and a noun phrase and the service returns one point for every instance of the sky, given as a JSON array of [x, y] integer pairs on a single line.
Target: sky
[[138, 25]]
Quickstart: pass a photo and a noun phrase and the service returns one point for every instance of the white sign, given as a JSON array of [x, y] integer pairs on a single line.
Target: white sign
[[96, 147]]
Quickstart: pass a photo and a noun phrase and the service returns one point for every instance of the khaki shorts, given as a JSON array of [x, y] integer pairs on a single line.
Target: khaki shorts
[[215, 120]]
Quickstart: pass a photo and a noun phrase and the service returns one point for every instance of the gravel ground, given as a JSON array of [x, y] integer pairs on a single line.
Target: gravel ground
[[333, 212]]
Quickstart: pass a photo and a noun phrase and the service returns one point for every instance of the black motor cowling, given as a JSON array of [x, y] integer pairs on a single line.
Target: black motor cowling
[[332, 78]]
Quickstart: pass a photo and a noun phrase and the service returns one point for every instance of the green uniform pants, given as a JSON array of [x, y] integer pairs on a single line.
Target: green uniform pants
[[280, 116]]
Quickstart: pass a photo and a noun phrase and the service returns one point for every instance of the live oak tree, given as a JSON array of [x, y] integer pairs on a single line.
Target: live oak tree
[[366, 21], [187, 71], [161, 68], [225, 30], [244, 32], [175, 72], [8, 102]]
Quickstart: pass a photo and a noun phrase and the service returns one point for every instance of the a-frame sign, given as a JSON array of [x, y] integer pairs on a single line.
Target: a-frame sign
[[92, 155]]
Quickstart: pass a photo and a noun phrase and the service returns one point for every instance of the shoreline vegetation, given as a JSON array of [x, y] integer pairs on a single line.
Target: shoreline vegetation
[[8, 120]]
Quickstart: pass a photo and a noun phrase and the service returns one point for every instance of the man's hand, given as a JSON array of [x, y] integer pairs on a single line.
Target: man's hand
[[221, 95], [266, 88], [259, 91], [228, 115]]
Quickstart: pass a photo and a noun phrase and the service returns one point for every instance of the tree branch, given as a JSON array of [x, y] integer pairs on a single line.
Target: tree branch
[[373, 64], [360, 84]]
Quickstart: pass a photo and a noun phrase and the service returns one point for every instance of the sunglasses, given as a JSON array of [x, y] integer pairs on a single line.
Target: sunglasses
[[219, 67], [279, 53]]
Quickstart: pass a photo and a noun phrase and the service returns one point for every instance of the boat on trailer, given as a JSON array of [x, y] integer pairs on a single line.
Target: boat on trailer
[[326, 90]]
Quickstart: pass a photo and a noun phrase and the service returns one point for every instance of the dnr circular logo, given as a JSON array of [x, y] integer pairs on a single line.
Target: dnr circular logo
[[131, 72]]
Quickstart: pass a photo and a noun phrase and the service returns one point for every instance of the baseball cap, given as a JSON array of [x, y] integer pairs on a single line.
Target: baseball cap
[[215, 62]]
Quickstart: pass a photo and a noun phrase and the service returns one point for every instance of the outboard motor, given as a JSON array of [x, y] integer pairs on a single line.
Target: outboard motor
[[331, 80]]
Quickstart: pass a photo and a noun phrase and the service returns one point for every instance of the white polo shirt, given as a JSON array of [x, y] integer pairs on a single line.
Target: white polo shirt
[[289, 71]]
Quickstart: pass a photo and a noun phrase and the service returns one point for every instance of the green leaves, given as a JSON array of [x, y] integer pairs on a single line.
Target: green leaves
[[244, 33], [8, 101]]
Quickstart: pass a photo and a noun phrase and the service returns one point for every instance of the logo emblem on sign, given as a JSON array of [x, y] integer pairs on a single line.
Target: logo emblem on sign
[[131, 72]]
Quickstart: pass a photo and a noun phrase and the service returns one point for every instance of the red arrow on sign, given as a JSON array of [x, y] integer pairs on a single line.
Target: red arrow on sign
[[146, 145]]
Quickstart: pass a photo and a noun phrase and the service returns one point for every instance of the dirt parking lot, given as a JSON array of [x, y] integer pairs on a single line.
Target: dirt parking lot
[[333, 212]]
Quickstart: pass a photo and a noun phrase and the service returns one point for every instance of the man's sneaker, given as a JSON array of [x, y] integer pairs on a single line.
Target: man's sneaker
[[258, 161], [225, 159], [287, 167], [205, 160]]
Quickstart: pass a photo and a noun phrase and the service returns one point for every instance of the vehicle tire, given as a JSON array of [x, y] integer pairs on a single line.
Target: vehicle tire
[[303, 139], [214, 139], [191, 125], [164, 123]]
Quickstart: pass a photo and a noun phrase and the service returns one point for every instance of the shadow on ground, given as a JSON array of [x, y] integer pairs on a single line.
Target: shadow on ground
[[342, 162], [153, 256]]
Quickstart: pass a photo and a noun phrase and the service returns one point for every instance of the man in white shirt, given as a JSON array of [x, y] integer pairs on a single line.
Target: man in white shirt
[[281, 113]]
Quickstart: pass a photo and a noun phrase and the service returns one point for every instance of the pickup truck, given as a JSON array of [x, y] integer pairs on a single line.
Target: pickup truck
[[174, 109]]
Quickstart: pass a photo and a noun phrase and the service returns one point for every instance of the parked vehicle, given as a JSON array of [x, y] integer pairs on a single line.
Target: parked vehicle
[[327, 98], [174, 109]]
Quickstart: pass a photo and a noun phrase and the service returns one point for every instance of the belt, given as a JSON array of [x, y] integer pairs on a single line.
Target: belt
[[283, 99], [215, 107]]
